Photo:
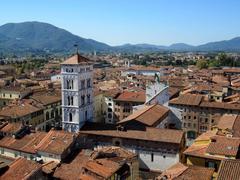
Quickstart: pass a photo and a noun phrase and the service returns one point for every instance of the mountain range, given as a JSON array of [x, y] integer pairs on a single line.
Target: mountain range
[[43, 37]]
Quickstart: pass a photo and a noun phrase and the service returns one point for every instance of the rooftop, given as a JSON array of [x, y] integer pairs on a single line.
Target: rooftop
[[21, 168], [187, 99], [229, 169], [25, 144], [76, 59], [180, 171], [130, 96], [56, 142], [149, 114], [150, 134]]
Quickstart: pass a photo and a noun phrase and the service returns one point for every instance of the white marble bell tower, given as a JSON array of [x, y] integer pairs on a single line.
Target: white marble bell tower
[[77, 92]]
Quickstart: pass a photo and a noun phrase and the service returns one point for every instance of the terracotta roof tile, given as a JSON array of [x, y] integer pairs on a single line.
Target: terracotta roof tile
[[150, 134], [56, 142], [27, 143], [21, 168], [224, 146], [76, 59], [132, 96], [102, 167], [148, 115], [187, 99], [229, 169]]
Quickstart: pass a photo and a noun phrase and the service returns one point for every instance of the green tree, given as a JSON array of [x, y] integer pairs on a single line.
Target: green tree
[[202, 64]]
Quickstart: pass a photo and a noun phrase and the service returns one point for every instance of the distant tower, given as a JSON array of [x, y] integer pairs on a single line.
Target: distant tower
[[77, 92], [127, 63]]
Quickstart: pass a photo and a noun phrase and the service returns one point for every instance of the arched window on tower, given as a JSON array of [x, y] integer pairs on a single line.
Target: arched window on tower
[[71, 84], [67, 84], [71, 100], [82, 100], [68, 101], [89, 83], [88, 99], [86, 115], [70, 117]]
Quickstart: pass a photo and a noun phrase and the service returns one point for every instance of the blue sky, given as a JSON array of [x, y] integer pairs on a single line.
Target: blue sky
[[116, 22]]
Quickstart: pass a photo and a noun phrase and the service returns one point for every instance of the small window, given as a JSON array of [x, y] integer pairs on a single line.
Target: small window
[[117, 143], [152, 157]]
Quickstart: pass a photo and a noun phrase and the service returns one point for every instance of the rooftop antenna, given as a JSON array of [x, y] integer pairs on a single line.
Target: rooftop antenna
[[76, 46]]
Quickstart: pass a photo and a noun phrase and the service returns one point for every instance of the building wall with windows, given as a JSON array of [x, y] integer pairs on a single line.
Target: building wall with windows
[[15, 153], [109, 110], [197, 119], [154, 156]]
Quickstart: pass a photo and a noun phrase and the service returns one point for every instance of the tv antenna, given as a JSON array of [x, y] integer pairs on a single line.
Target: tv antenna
[[76, 46]]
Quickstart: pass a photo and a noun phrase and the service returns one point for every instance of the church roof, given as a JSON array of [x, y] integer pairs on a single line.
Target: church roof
[[77, 59]]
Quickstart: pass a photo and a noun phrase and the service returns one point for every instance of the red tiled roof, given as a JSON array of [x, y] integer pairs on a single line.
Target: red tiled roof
[[148, 115], [132, 96], [21, 168], [56, 142], [187, 99], [76, 59], [224, 146], [26, 144], [150, 134], [229, 169]]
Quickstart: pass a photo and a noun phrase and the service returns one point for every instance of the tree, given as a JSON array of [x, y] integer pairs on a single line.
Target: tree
[[202, 64]]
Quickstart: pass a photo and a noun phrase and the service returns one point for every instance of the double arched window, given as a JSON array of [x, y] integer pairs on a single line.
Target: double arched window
[[70, 100], [69, 84]]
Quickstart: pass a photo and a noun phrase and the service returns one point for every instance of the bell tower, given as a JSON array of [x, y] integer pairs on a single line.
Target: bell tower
[[77, 92]]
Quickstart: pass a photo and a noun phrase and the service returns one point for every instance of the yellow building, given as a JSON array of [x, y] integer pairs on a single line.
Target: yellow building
[[10, 93], [25, 111], [98, 106], [51, 109], [209, 149]]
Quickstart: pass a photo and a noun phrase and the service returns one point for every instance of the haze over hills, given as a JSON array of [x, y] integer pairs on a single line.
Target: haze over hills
[[44, 37]]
